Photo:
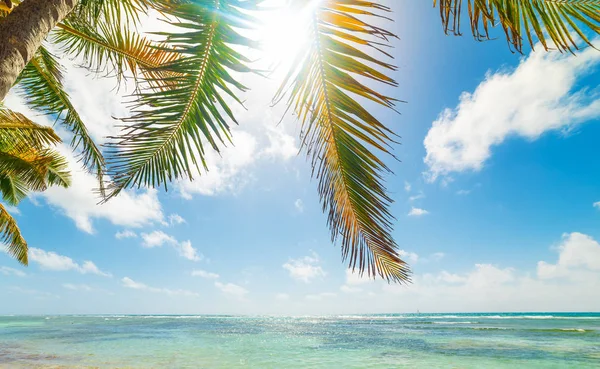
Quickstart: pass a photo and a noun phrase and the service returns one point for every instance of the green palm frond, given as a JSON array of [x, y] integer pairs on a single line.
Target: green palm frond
[[120, 11], [57, 170], [43, 91], [24, 153], [16, 128], [561, 22], [13, 189], [111, 48], [341, 136], [170, 128], [10, 235]]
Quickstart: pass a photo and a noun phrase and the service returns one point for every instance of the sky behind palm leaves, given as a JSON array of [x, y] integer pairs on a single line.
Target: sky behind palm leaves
[[497, 200]]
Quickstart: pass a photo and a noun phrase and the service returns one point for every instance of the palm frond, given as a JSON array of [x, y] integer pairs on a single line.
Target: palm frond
[[16, 128], [556, 24], [111, 48], [44, 92], [10, 235], [13, 189], [341, 137], [120, 11], [57, 170], [25, 154], [170, 128]]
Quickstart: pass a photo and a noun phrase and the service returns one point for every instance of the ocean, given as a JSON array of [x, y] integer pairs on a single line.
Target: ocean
[[499, 340]]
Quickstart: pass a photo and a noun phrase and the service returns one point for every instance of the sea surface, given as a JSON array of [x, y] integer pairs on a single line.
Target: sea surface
[[529, 340]]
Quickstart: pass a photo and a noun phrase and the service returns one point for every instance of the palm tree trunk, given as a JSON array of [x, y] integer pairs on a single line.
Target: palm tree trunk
[[22, 32]]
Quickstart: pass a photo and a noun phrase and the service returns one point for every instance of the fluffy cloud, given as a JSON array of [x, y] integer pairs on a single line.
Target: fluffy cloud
[[125, 234], [204, 274], [160, 239], [157, 239], [186, 250], [578, 253], [80, 202], [407, 186], [11, 271], [232, 290], [130, 283], [597, 205], [305, 269], [49, 260], [417, 212], [408, 256], [175, 219], [524, 102]]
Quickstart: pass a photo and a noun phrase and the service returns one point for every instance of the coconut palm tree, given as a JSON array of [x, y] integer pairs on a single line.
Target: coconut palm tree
[[186, 86], [26, 164]]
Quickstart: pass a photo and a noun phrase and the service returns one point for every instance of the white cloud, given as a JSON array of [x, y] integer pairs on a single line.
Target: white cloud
[[81, 203], [417, 212], [77, 287], [355, 282], [407, 186], [524, 102], [130, 283], [232, 290], [125, 234], [227, 172], [407, 256], [11, 271], [577, 253], [305, 269], [157, 239], [597, 205], [175, 219], [419, 196], [463, 192], [160, 239], [204, 274], [186, 250], [299, 205], [13, 210], [49, 260]]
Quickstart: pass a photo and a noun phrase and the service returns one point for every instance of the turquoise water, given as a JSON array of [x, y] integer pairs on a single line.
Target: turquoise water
[[540, 340]]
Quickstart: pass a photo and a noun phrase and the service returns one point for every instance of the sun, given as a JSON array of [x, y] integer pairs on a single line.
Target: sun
[[283, 32]]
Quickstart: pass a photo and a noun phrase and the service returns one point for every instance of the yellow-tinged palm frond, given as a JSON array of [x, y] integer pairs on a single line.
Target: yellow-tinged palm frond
[[26, 164], [343, 64], [15, 128], [25, 155], [10, 235], [170, 128], [562, 24], [43, 91], [112, 48]]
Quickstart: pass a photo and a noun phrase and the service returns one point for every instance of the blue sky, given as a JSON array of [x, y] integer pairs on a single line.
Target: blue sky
[[495, 201]]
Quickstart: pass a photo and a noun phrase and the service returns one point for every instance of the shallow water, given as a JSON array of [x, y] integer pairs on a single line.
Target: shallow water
[[548, 340]]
